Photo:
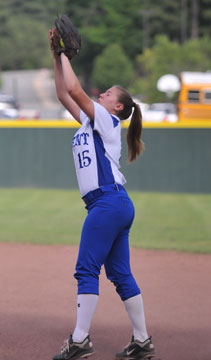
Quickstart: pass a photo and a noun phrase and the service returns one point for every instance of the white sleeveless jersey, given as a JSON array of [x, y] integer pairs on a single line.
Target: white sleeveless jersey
[[97, 150]]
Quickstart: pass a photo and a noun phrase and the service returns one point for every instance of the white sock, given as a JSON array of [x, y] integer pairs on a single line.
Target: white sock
[[85, 311], [135, 309]]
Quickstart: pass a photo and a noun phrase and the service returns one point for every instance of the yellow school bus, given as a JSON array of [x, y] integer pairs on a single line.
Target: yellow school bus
[[194, 101]]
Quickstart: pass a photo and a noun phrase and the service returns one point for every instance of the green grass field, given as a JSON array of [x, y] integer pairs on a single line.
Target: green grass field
[[179, 222]]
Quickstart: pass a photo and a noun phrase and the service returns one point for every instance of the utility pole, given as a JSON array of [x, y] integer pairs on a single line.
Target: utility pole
[[184, 13], [146, 14], [195, 19]]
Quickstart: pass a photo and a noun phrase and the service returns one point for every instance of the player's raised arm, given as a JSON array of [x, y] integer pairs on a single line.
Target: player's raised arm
[[74, 88], [65, 43], [61, 89]]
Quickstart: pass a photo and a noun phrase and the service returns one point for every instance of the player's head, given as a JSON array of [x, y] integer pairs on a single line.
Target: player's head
[[124, 98], [110, 100], [117, 101]]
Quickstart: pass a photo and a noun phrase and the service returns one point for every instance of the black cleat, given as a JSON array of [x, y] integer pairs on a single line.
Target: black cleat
[[137, 350], [72, 350]]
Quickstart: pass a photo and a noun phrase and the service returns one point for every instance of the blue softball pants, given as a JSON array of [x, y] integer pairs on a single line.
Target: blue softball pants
[[105, 241]]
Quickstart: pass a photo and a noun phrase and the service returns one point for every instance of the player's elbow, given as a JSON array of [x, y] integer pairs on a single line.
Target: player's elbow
[[61, 96], [74, 91], [73, 87]]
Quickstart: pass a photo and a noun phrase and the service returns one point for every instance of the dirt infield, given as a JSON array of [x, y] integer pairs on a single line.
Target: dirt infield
[[38, 303]]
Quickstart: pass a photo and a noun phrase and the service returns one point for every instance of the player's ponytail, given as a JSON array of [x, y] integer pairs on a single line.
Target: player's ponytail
[[135, 144]]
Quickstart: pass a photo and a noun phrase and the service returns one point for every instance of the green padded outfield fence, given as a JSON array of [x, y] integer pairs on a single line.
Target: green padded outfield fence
[[38, 154]]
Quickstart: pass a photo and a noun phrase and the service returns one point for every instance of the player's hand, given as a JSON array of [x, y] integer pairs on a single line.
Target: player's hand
[[51, 35]]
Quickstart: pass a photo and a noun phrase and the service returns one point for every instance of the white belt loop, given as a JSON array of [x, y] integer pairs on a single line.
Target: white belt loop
[[117, 187]]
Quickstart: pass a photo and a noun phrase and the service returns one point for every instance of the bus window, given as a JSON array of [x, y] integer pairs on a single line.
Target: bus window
[[193, 96], [207, 96]]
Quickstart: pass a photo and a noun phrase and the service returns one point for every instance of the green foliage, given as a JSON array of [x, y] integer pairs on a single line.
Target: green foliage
[[24, 33], [109, 21], [160, 18], [112, 67], [165, 17], [29, 39], [204, 18], [134, 25], [42, 11], [102, 24]]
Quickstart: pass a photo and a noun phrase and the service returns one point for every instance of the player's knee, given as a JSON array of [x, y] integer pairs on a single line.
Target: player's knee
[[126, 286], [88, 283]]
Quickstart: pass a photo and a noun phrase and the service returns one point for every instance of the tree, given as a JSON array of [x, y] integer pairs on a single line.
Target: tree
[[26, 46], [24, 33], [43, 11], [132, 24], [160, 18], [112, 67], [104, 23], [109, 21]]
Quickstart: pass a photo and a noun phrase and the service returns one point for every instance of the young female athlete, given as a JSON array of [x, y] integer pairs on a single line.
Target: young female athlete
[[104, 239]]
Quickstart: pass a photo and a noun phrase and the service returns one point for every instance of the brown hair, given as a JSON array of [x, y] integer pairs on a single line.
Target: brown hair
[[134, 142]]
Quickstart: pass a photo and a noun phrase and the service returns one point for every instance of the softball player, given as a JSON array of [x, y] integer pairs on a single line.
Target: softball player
[[104, 239]]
